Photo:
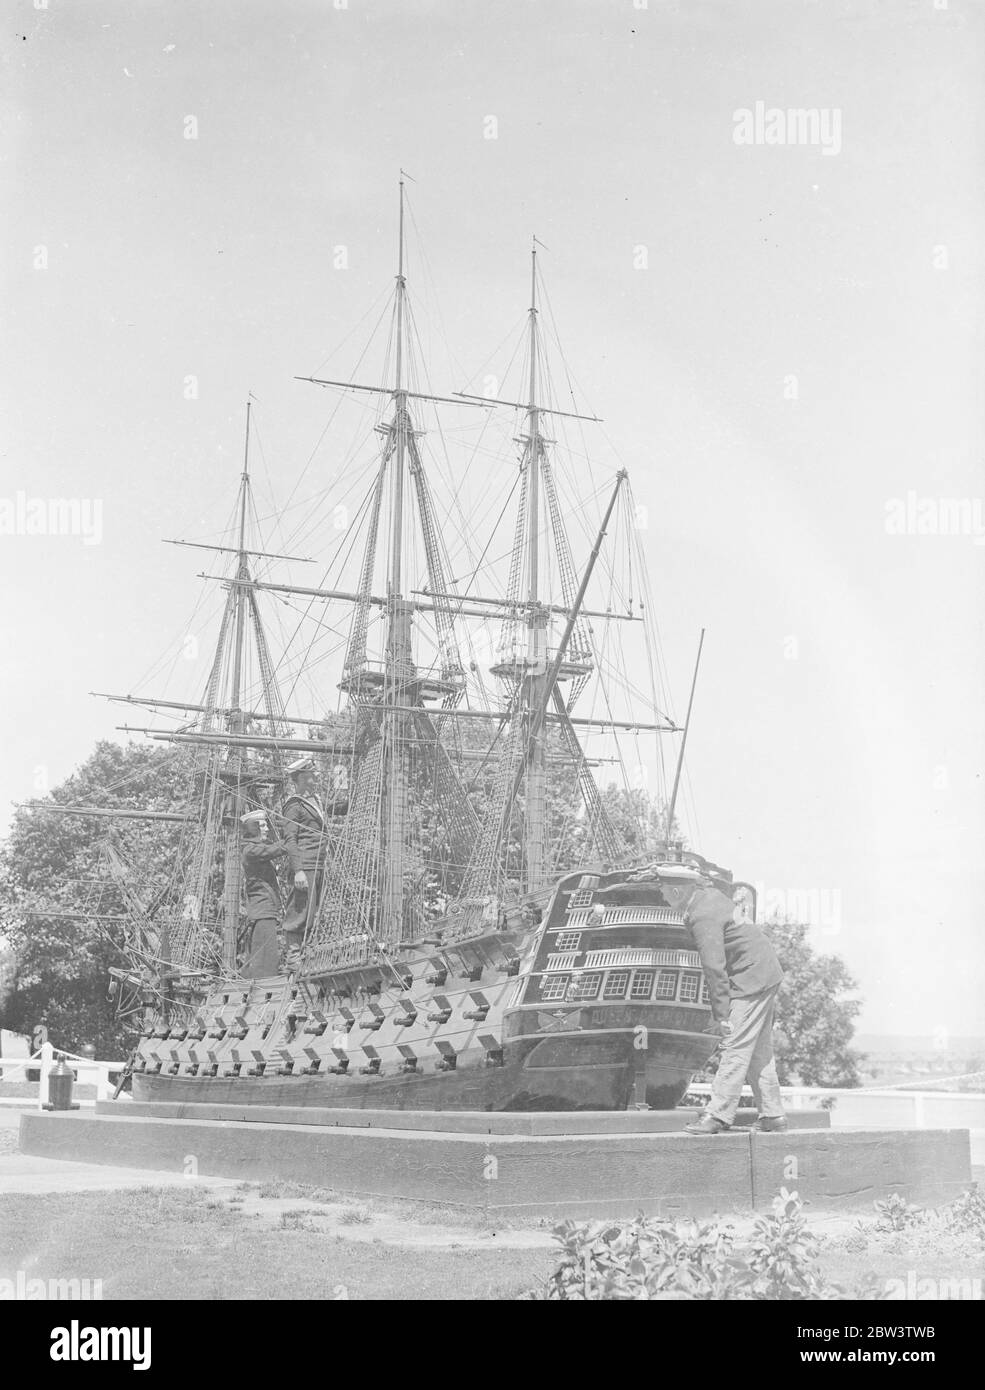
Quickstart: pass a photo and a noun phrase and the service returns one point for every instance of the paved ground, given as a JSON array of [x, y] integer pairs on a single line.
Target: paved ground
[[26, 1174]]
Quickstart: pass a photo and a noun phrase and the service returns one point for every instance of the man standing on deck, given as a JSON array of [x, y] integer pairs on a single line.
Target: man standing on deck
[[263, 901], [306, 841], [743, 976]]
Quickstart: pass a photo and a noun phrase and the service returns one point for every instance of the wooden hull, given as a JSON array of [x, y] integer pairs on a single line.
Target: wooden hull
[[605, 1084], [595, 1010]]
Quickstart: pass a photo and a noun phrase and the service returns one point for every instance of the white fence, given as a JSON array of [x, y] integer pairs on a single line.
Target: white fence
[[87, 1070], [885, 1109]]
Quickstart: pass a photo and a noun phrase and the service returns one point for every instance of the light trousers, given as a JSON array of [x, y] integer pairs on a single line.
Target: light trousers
[[747, 1055]]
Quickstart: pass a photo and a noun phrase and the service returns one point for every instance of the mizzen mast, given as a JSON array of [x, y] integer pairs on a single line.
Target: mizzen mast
[[525, 659]]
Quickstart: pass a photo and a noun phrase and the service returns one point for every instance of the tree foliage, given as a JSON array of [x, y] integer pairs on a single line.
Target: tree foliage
[[815, 1021], [48, 868]]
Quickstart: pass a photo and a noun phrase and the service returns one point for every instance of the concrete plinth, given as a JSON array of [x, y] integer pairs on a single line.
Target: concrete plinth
[[855, 1167], [586, 1175], [448, 1121]]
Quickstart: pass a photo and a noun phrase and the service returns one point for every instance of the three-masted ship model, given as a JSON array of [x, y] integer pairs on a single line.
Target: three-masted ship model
[[480, 935]]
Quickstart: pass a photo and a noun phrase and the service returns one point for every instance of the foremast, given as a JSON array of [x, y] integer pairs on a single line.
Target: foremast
[[199, 916]]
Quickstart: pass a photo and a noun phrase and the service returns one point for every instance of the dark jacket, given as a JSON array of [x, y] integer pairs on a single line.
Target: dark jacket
[[736, 957], [304, 832], [263, 898]]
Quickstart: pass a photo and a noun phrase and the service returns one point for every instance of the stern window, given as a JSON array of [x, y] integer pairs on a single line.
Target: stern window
[[582, 896], [642, 986], [690, 988], [555, 987], [615, 984], [667, 984], [585, 986]]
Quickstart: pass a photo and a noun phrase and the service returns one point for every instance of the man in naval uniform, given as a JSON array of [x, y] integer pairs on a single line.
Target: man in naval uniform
[[306, 841], [743, 976], [263, 901]]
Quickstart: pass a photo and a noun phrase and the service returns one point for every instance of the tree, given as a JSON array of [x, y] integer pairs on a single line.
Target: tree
[[7, 966], [815, 1023], [62, 956]]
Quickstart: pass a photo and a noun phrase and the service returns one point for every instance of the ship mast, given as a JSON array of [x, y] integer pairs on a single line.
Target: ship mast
[[532, 694], [236, 725], [398, 667]]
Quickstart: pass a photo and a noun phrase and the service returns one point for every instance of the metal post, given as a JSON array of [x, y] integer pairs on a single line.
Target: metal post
[[47, 1056]]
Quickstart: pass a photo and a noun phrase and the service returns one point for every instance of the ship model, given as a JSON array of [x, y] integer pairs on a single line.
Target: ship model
[[477, 939]]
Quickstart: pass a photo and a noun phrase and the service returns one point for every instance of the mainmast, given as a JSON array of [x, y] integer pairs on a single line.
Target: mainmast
[[532, 692], [398, 667], [379, 883]]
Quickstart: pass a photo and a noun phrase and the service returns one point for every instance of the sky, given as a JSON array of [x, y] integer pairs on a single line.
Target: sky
[[783, 334]]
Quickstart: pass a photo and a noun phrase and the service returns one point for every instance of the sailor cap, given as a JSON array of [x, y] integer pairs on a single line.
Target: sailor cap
[[253, 817], [679, 871], [303, 764]]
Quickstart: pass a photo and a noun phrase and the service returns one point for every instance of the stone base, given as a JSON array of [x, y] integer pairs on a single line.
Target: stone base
[[584, 1175], [448, 1121], [856, 1167]]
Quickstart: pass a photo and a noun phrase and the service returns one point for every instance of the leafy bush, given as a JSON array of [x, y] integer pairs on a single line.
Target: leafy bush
[[966, 1215], [783, 1260], [651, 1259], [895, 1213]]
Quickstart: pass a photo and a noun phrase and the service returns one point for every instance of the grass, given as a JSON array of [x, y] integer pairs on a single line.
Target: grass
[[421, 1213], [181, 1243], [355, 1216], [850, 1262], [928, 1245], [196, 1243]]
